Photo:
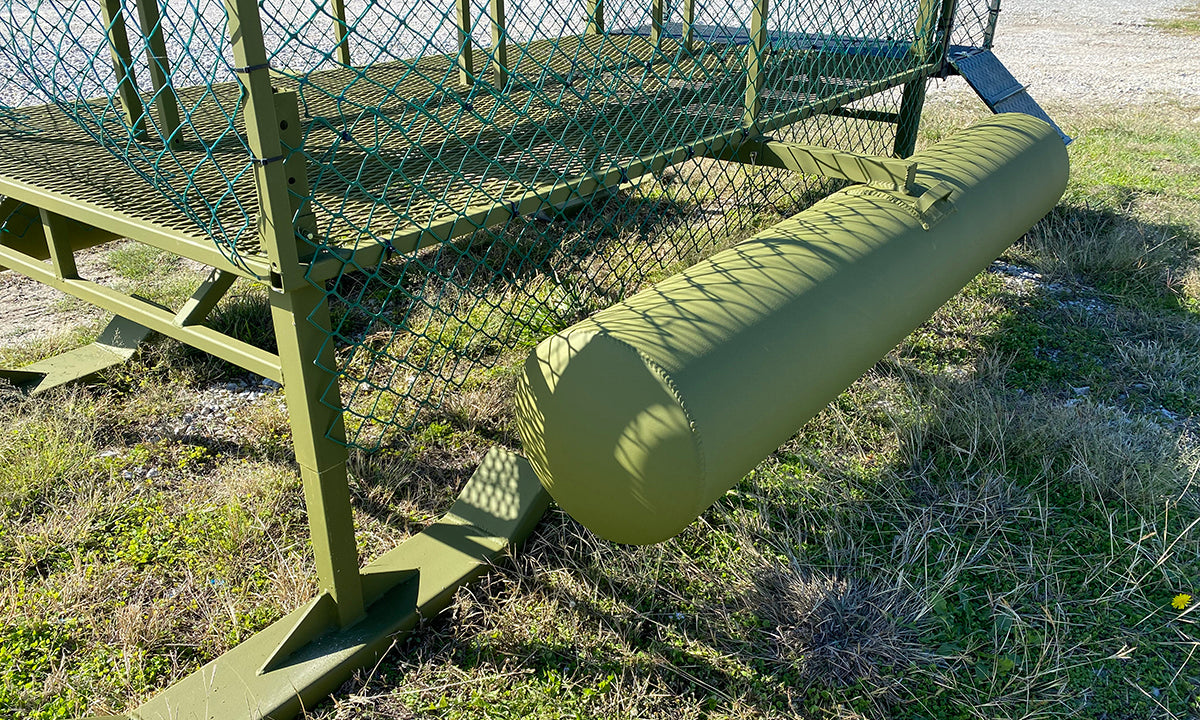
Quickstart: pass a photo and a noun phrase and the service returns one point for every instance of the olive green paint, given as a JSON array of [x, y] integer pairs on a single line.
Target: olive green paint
[[656, 22], [196, 309], [499, 47], [144, 312], [358, 612], [595, 17], [546, 197], [989, 34], [306, 655], [826, 162], [756, 56], [908, 120], [466, 52], [928, 46], [122, 62], [160, 71], [118, 342], [639, 418], [689, 25], [57, 233], [341, 31]]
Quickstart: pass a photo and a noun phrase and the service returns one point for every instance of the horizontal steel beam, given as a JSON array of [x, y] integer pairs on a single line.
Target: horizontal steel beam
[[151, 315], [332, 262], [127, 226]]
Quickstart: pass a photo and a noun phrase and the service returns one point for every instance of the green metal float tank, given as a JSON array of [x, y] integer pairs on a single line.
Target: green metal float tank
[[639, 418]]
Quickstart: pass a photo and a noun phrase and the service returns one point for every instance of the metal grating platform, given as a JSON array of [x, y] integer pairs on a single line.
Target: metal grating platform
[[782, 40], [996, 86], [507, 159]]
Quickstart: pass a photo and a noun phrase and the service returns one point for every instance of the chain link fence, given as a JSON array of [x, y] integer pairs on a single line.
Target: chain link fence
[[486, 172], [975, 23]]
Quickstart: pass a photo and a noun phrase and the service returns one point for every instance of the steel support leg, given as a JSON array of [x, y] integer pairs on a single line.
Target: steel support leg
[[299, 317], [909, 122]]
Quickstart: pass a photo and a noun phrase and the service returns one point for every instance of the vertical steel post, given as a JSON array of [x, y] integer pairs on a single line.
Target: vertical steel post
[[908, 122], [499, 44], [941, 48], [989, 33], [300, 316], [656, 22], [932, 30], [301, 321], [466, 46], [924, 30], [595, 17], [341, 31], [113, 16], [755, 73], [295, 164], [689, 24], [160, 71]]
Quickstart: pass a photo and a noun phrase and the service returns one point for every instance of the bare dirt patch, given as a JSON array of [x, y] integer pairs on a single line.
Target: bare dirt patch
[[31, 312]]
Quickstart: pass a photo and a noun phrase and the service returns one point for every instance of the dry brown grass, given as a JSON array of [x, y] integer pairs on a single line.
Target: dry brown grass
[[839, 631], [1083, 244], [959, 535]]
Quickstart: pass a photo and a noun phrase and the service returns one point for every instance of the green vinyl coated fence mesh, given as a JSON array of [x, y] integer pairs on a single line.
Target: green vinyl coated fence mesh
[[476, 174]]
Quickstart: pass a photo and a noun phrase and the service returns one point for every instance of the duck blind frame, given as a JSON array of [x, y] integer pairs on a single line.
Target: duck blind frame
[[424, 188], [453, 179]]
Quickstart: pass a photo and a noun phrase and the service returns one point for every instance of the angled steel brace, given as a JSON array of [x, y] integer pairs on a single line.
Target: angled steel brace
[[116, 344], [882, 172]]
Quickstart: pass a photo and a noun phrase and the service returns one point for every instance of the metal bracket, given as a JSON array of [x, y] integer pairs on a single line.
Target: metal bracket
[[310, 622], [880, 172], [301, 658], [928, 206]]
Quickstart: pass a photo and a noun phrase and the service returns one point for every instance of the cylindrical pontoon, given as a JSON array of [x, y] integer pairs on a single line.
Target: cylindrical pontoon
[[639, 418]]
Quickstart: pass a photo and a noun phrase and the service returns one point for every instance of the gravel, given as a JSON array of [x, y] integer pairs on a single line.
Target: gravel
[[215, 409], [1095, 52]]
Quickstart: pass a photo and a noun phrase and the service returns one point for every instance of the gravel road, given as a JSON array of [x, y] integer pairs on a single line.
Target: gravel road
[[1096, 52]]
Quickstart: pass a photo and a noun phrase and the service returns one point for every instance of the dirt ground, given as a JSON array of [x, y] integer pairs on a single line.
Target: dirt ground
[[31, 312], [1073, 53]]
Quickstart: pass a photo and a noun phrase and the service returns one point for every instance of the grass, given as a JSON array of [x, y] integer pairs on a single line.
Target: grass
[[991, 523], [1185, 22]]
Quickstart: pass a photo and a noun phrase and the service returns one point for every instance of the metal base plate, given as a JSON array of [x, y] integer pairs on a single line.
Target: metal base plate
[[117, 344], [499, 507]]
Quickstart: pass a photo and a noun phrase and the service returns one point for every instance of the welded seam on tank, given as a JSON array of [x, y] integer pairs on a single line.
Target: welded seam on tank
[[665, 378], [862, 191]]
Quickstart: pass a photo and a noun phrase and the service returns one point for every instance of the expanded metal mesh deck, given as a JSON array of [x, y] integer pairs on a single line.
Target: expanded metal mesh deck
[[49, 154], [442, 148], [432, 142]]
